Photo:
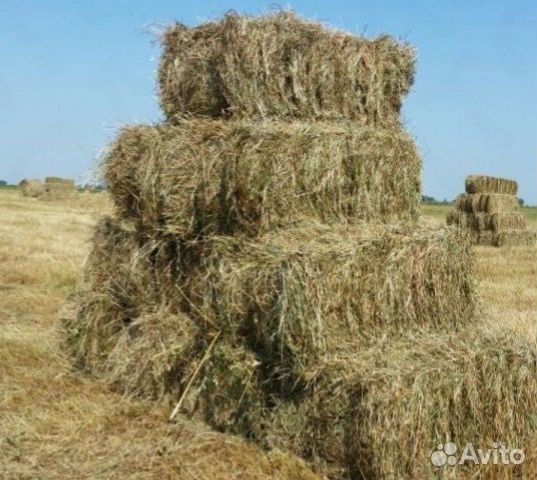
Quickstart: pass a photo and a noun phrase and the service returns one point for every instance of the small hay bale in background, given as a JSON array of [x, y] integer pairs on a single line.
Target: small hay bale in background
[[207, 177], [31, 188], [487, 184], [57, 188], [487, 203], [279, 65]]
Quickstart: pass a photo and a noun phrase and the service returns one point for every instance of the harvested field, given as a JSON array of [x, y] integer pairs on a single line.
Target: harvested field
[[220, 177], [279, 65]]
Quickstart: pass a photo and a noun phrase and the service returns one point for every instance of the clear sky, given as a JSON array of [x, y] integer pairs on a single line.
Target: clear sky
[[73, 71]]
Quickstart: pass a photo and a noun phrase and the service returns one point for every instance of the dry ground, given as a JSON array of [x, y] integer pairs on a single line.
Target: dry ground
[[55, 424]]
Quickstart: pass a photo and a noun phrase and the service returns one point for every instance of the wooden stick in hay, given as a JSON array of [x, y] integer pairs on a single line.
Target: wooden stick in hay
[[196, 371]]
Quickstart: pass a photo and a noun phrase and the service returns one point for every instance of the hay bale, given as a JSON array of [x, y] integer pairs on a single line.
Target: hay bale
[[487, 203], [279, 65], [483, 222], [221, 177], [381, 412], [31, 188], [463, 220], [127, 325], [57, 188], [60, 180], [125, 279], [487, 184], [301, 294], [515, 238]]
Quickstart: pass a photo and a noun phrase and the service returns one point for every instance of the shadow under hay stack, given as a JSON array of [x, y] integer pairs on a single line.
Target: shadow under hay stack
[[489, 211], [264, 270]]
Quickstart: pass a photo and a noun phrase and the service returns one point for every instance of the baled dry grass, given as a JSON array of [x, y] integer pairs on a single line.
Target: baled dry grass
[[57, 424], [279, 65], [205, 177], [488, 184]]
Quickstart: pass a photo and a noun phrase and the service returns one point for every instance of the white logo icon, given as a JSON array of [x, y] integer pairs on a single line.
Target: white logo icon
[[498, 454], [444, 454]]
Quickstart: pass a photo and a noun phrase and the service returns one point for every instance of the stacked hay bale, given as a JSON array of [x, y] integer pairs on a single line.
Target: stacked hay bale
[[265, 250], [31, 188], [57, 188], [489, 210]]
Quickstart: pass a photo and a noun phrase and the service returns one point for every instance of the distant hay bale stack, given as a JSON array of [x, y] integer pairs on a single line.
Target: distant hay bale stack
[[57, 188], [490, 212], [384, 410], [31, 188], [207, 177], [279, 65]]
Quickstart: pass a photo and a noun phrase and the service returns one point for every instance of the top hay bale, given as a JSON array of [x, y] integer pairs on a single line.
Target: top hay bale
[[64, 181], [486, 184], [279, 65]]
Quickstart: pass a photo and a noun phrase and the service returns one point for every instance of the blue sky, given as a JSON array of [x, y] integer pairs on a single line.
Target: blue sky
[[73, 71]]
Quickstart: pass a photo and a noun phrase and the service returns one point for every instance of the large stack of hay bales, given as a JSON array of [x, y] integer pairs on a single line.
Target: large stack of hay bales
[[264, 270], [489, 211]]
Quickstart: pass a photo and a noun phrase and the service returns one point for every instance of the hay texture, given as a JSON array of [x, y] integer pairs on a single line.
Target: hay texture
[[380, 412], [31, 188], [306, 293], [487, 203], [279, 65], [264, 271], [203, 454], [487, 184], [490, 213], [232, 333], [220, 177]]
